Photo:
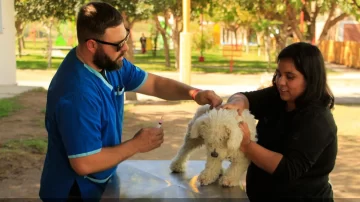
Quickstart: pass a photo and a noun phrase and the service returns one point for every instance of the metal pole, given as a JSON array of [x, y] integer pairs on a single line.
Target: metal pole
[[185, 45]]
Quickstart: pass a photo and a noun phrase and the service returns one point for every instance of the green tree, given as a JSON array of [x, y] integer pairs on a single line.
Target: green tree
[[234, 17], [333, 11], [271, 12], [173, 8], [161, 10], [132, 11], [46, 11]]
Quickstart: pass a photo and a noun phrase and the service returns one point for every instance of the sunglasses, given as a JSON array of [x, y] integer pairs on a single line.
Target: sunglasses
[[117, 45]]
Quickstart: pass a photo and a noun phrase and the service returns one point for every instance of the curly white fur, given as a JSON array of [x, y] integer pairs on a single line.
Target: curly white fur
[[219, 131]]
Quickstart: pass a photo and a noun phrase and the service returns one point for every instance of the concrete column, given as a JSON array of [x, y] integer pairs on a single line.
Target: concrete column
[[185, 45], [7, 43]]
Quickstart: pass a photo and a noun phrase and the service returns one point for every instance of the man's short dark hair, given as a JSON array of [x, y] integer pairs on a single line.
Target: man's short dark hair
[[94, 18], [310, 63]]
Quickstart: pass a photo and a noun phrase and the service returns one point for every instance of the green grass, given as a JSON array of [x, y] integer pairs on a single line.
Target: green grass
[[36, 62], [215, 62], [8, 106], [34, 58], [39, 44], [34, 145]]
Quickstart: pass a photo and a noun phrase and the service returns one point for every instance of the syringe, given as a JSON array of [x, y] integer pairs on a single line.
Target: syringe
[[160, 122]]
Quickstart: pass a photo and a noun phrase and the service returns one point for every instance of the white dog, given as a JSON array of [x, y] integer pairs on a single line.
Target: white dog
[[219, 131]]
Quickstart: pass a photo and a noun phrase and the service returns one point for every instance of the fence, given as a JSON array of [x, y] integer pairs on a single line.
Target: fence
[[345, 53]]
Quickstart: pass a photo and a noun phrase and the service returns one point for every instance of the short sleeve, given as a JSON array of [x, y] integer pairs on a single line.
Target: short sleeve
[[133, 77], [261, 101], [79, 124]]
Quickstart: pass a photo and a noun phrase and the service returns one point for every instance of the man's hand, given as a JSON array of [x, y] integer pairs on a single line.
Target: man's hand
[[147, 139], [208, 97]]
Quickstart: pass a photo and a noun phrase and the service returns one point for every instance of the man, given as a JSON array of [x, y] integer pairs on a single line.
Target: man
[[143, 43], [84, 111]]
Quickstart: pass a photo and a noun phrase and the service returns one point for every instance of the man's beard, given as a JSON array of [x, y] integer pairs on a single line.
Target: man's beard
[[102, 61]]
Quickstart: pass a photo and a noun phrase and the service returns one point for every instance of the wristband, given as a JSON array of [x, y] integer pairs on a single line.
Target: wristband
[[194, 93]]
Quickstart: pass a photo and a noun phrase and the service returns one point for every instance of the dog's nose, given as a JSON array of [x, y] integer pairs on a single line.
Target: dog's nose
[[214, 154]]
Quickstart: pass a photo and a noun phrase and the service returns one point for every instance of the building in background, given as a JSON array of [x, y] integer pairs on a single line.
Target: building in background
[[7, 41]]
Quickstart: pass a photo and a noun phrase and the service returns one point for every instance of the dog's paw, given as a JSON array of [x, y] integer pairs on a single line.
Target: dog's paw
[[206, 178], [226, 181], [177, 167]]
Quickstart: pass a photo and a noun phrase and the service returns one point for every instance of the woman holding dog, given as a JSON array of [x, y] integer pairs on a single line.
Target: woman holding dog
[[297, 134]]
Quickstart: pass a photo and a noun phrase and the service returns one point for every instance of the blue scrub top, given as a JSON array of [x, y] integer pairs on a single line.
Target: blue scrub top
[[84, 113]]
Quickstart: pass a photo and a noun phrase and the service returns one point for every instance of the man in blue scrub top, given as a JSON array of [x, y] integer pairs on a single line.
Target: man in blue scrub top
[[84, 111]]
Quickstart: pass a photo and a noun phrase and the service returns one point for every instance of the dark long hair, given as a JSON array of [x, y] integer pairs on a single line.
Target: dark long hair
[[309, 61]]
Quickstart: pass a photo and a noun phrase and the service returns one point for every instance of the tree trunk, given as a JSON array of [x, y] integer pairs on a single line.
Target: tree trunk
[[23, 41], [223, 35], [268, 50], [155, 42], [312, 29], [176, 40], [280, 42], [129, 24], [130, 53], [330, 23], [227, 35], [259, 37], [293, 21], [235, 35], [49, 51], [166, 50], [247, 38], [19, 32], [164, 37]]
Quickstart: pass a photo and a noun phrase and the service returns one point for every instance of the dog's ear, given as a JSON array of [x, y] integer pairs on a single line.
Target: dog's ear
[[199, 126], [235, 136]]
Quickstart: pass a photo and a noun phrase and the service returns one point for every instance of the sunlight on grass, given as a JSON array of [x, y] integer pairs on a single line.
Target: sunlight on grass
[[34, 58], [34, 145], [216, 61], [8, 106], [36, 62]]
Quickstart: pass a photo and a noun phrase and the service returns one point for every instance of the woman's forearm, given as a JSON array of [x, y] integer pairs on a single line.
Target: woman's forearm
[[262, 157]]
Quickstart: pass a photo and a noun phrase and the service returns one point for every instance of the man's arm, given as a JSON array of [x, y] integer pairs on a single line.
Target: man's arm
[[169, 89], [165, 88], [144, 140], [107, 158]]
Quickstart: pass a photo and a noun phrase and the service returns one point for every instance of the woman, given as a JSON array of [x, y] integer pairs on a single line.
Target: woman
[[297, 134]]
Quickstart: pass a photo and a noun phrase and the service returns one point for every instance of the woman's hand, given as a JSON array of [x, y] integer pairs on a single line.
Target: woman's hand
[[235, 104], [236, 101], [246, 136]]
